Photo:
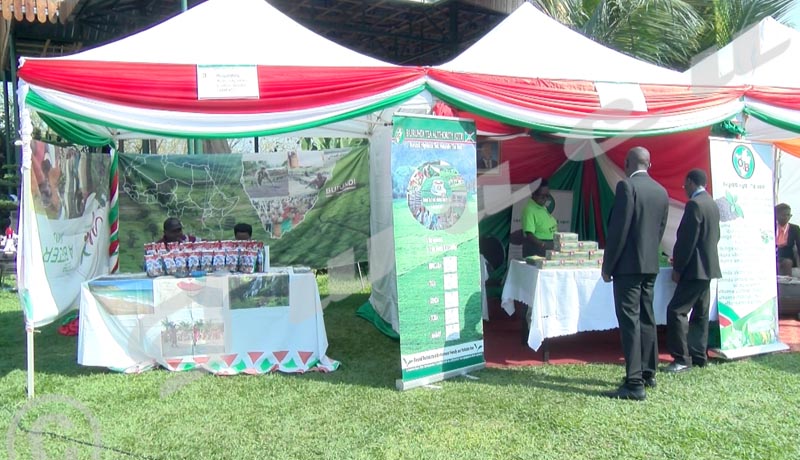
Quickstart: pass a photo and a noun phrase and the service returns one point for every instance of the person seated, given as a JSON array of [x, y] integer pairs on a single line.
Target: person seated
[[787, 239], [242, 231], [173, 232], [538, 225]]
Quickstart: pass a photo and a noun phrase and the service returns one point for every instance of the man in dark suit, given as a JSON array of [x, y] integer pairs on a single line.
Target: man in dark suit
[[635, 228], [695, 263], [486, 161]]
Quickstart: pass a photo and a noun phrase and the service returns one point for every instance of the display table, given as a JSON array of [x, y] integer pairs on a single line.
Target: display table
[[564, 302], [225, 324], [789, 296]]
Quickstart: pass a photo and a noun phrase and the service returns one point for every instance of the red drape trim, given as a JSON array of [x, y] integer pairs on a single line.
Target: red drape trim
[[174, 86]]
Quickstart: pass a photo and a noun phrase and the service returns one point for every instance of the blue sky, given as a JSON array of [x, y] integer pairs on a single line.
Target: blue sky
[[794, 15]]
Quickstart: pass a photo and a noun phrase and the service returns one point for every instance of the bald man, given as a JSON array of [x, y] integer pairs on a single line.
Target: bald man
[[635, 228]]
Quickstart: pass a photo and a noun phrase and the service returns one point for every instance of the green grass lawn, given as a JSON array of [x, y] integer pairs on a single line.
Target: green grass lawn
[[740, 410]]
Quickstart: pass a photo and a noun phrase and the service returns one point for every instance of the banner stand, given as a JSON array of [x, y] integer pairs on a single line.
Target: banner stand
[[742, 174], [750, 351], [465, 371]]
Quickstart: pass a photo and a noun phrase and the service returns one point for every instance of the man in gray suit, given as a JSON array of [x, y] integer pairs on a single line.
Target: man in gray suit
[[695, 263], [635, 228]]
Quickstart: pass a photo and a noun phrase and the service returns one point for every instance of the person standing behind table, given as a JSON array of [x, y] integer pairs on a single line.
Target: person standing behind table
[[173, 232], [635, 228], [695, 263], [242, 231], [538, 225], [787, 238]]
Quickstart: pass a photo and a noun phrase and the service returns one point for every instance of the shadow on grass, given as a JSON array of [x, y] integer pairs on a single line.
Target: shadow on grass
[[788, 362], [544, 378], [368, 357]]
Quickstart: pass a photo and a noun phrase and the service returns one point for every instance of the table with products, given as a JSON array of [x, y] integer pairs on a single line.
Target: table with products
[[567, 301], [224, 323]]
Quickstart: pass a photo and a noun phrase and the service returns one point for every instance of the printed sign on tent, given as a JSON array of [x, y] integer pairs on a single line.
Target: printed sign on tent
[[747, 293], [434, 201], [65, 226]]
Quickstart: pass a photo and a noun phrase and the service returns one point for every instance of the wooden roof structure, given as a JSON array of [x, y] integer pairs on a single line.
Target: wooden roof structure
[[409, 32]]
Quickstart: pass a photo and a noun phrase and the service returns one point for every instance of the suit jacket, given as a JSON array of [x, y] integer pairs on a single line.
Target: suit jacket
[[695, 254], [487, 164], [635, 227]]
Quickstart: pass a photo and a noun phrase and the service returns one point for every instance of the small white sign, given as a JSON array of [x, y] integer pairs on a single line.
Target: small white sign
[[227, 82]]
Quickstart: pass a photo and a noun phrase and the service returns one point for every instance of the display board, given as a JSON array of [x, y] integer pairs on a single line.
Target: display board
[[741, 176], [292, 197], [435, 224]]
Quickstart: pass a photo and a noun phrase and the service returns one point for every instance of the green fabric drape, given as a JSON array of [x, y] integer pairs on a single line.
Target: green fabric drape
[[367, 311], [74, 133], [592, 197]]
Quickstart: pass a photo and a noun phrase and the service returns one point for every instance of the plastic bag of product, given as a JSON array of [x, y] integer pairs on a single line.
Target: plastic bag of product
[[153, 265]]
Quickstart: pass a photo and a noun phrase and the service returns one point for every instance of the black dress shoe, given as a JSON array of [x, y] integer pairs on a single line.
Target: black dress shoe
[[699, 363], [676, 367], [624, 392], [649, 382]]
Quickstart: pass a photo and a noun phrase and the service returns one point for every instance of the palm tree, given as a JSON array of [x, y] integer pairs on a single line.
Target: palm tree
[[668, 33]]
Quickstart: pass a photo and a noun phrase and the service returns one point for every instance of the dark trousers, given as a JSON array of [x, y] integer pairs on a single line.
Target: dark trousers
[[633, 298], [687, 339], [529, 249]]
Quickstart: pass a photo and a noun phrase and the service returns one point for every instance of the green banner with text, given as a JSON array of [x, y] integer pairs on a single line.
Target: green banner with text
[[435, 207]]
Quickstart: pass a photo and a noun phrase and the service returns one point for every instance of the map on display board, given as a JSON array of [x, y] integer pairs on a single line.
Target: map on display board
[[291, 196], [436, 244]]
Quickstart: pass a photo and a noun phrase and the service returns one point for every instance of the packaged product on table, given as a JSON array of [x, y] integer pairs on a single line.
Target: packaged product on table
[[153, 265], [181, 268]]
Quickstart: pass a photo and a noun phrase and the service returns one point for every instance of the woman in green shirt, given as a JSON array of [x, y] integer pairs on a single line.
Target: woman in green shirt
[[538, 225]]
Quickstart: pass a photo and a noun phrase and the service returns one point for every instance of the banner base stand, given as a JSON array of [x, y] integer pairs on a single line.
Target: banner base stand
[[750, 351], [407, 385]]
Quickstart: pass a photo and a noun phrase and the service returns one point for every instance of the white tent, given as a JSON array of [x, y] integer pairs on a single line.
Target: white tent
[[528, 43], [146, 85], [764, 55]]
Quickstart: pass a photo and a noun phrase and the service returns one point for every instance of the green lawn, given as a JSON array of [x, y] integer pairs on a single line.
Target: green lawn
[[740, 410]]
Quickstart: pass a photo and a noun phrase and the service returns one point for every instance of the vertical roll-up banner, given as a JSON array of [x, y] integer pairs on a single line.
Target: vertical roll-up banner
[[741, 177], [434, 202]]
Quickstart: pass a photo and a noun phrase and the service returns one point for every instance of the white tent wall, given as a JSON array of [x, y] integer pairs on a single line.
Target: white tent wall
[[382, 269], [787, 181]]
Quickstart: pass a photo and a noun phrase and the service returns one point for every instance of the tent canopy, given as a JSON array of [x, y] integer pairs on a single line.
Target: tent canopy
[[146, 85], [760, 57], [528, 43], [217, 33]]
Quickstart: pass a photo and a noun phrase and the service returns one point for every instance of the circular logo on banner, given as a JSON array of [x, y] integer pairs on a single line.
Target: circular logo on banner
[[437, 195], [744, 162]]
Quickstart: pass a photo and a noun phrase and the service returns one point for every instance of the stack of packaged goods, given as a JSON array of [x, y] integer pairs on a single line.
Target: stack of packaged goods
[[184, 259], [569, 252]]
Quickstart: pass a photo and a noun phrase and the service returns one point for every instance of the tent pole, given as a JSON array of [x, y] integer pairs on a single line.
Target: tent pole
[[190, 144], [9, 144], [12, 56], [360, 276], [29, 334]]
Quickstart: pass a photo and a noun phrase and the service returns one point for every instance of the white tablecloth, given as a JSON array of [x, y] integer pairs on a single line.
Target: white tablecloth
[[225, 324], [564, 302]]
